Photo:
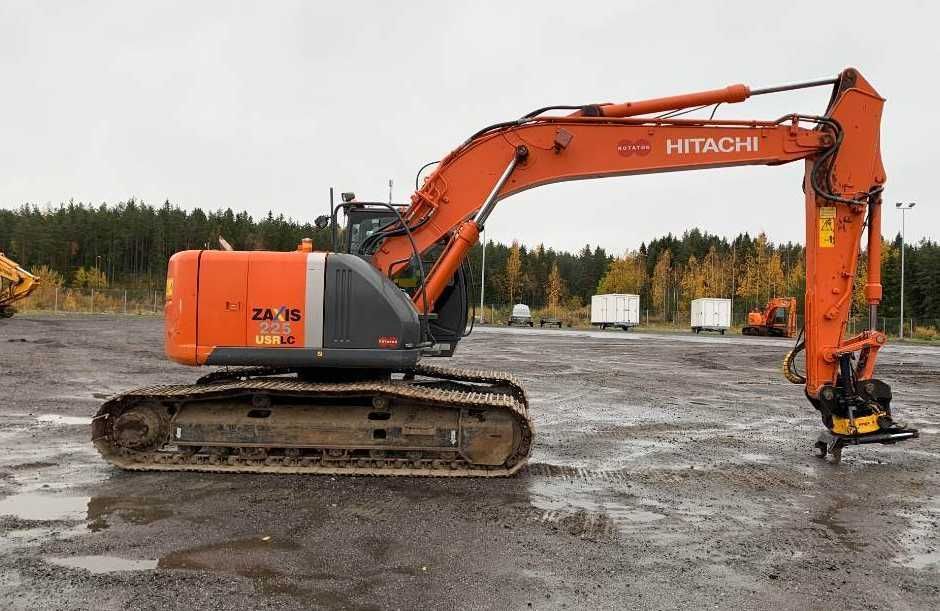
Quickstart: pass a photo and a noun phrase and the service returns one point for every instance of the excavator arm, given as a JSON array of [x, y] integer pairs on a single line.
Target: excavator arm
[[15, 284], [844, 178]]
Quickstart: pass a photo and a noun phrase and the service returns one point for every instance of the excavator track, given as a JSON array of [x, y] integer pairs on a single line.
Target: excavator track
[[434, 421]]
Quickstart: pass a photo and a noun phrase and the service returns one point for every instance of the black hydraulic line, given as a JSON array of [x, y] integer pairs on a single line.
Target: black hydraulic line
[[820, 163], [791, 87], [387, 231], [469, 291], [421, 169], [539, 111], [414, 246], [679, 112], [790, 371], [492, 127]]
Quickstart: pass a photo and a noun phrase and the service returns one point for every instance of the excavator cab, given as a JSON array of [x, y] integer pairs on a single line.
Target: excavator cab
[[362, 222], [446, 326]]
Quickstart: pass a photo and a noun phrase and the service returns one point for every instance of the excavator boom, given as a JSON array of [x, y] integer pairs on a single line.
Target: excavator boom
[[16, 284], [362, 403]]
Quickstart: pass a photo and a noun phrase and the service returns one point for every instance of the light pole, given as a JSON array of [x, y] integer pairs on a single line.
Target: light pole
[[483, 278], [903, 207], [733, 246]]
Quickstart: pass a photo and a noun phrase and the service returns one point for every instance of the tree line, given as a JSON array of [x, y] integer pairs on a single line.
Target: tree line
[[128, 244]]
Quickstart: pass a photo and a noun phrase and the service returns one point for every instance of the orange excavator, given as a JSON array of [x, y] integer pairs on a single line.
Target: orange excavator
[[778, 319], [324, 355]]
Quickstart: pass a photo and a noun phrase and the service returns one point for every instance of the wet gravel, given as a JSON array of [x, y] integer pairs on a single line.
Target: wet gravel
[[668, 471]]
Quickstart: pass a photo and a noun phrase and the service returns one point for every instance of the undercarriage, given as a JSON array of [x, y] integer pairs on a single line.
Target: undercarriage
[[426, 421]]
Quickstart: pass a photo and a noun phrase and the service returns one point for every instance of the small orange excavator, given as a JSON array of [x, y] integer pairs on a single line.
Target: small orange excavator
[[778, 319], [325, 351]]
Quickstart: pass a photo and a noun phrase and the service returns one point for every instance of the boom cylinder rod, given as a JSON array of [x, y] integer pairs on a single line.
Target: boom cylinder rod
[[490, 202], [792, 86], [873, 289], [728, 95], [464, 238]]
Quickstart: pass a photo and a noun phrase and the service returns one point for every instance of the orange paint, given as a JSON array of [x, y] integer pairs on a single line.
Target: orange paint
[[234, 299], [619, 143], [578, 147]]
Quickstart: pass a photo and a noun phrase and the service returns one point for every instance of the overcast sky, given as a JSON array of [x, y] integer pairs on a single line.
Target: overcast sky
[[265, 105]]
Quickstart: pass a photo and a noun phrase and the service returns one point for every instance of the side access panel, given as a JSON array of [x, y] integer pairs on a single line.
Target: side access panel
[[277, 287], [223, 280], [365, 310]]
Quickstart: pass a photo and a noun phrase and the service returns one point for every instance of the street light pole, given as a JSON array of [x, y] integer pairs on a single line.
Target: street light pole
[[903, 207], [733, 246], [483, 277]]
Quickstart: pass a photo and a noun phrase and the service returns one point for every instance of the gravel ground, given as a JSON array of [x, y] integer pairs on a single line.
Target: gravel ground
[[668, 471]]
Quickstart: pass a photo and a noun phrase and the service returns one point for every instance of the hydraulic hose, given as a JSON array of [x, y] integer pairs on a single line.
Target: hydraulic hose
[[789, 362]]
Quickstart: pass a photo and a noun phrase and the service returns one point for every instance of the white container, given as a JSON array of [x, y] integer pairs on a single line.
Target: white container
[[615, 310], [711, 314]]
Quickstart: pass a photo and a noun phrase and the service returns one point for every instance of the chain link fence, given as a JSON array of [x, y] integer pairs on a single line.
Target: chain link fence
[[150, 302], [93, 301], [917, 328], [498, 314]]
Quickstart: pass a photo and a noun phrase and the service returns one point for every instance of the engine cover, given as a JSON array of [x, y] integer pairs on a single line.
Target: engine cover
[[286, 309]]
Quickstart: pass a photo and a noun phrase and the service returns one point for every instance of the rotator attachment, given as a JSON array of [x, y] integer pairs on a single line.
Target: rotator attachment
[[856, 412]]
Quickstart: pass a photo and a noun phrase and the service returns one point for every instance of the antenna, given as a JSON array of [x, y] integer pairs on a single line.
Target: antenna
[[332, 223], [389, 190]]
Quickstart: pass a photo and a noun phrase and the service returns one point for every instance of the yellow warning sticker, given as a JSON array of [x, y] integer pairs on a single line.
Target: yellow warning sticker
[[169, 289], [827, 227]]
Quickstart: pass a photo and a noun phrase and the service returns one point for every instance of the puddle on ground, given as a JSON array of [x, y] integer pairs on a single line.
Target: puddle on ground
[[64, 420], [44, 507], [93, 514], [754, 457], [21, 537], [253, 557], [837, 518], [103, 564], [257, 558], [32, 466], [920, 541], [132, 509], [590, 510]]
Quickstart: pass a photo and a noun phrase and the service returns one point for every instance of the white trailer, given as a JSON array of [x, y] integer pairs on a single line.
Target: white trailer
[[615, 310], [521, 315], [711, 314]]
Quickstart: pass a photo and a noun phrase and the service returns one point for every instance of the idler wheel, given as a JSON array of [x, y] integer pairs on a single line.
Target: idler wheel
[[138, 429]]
